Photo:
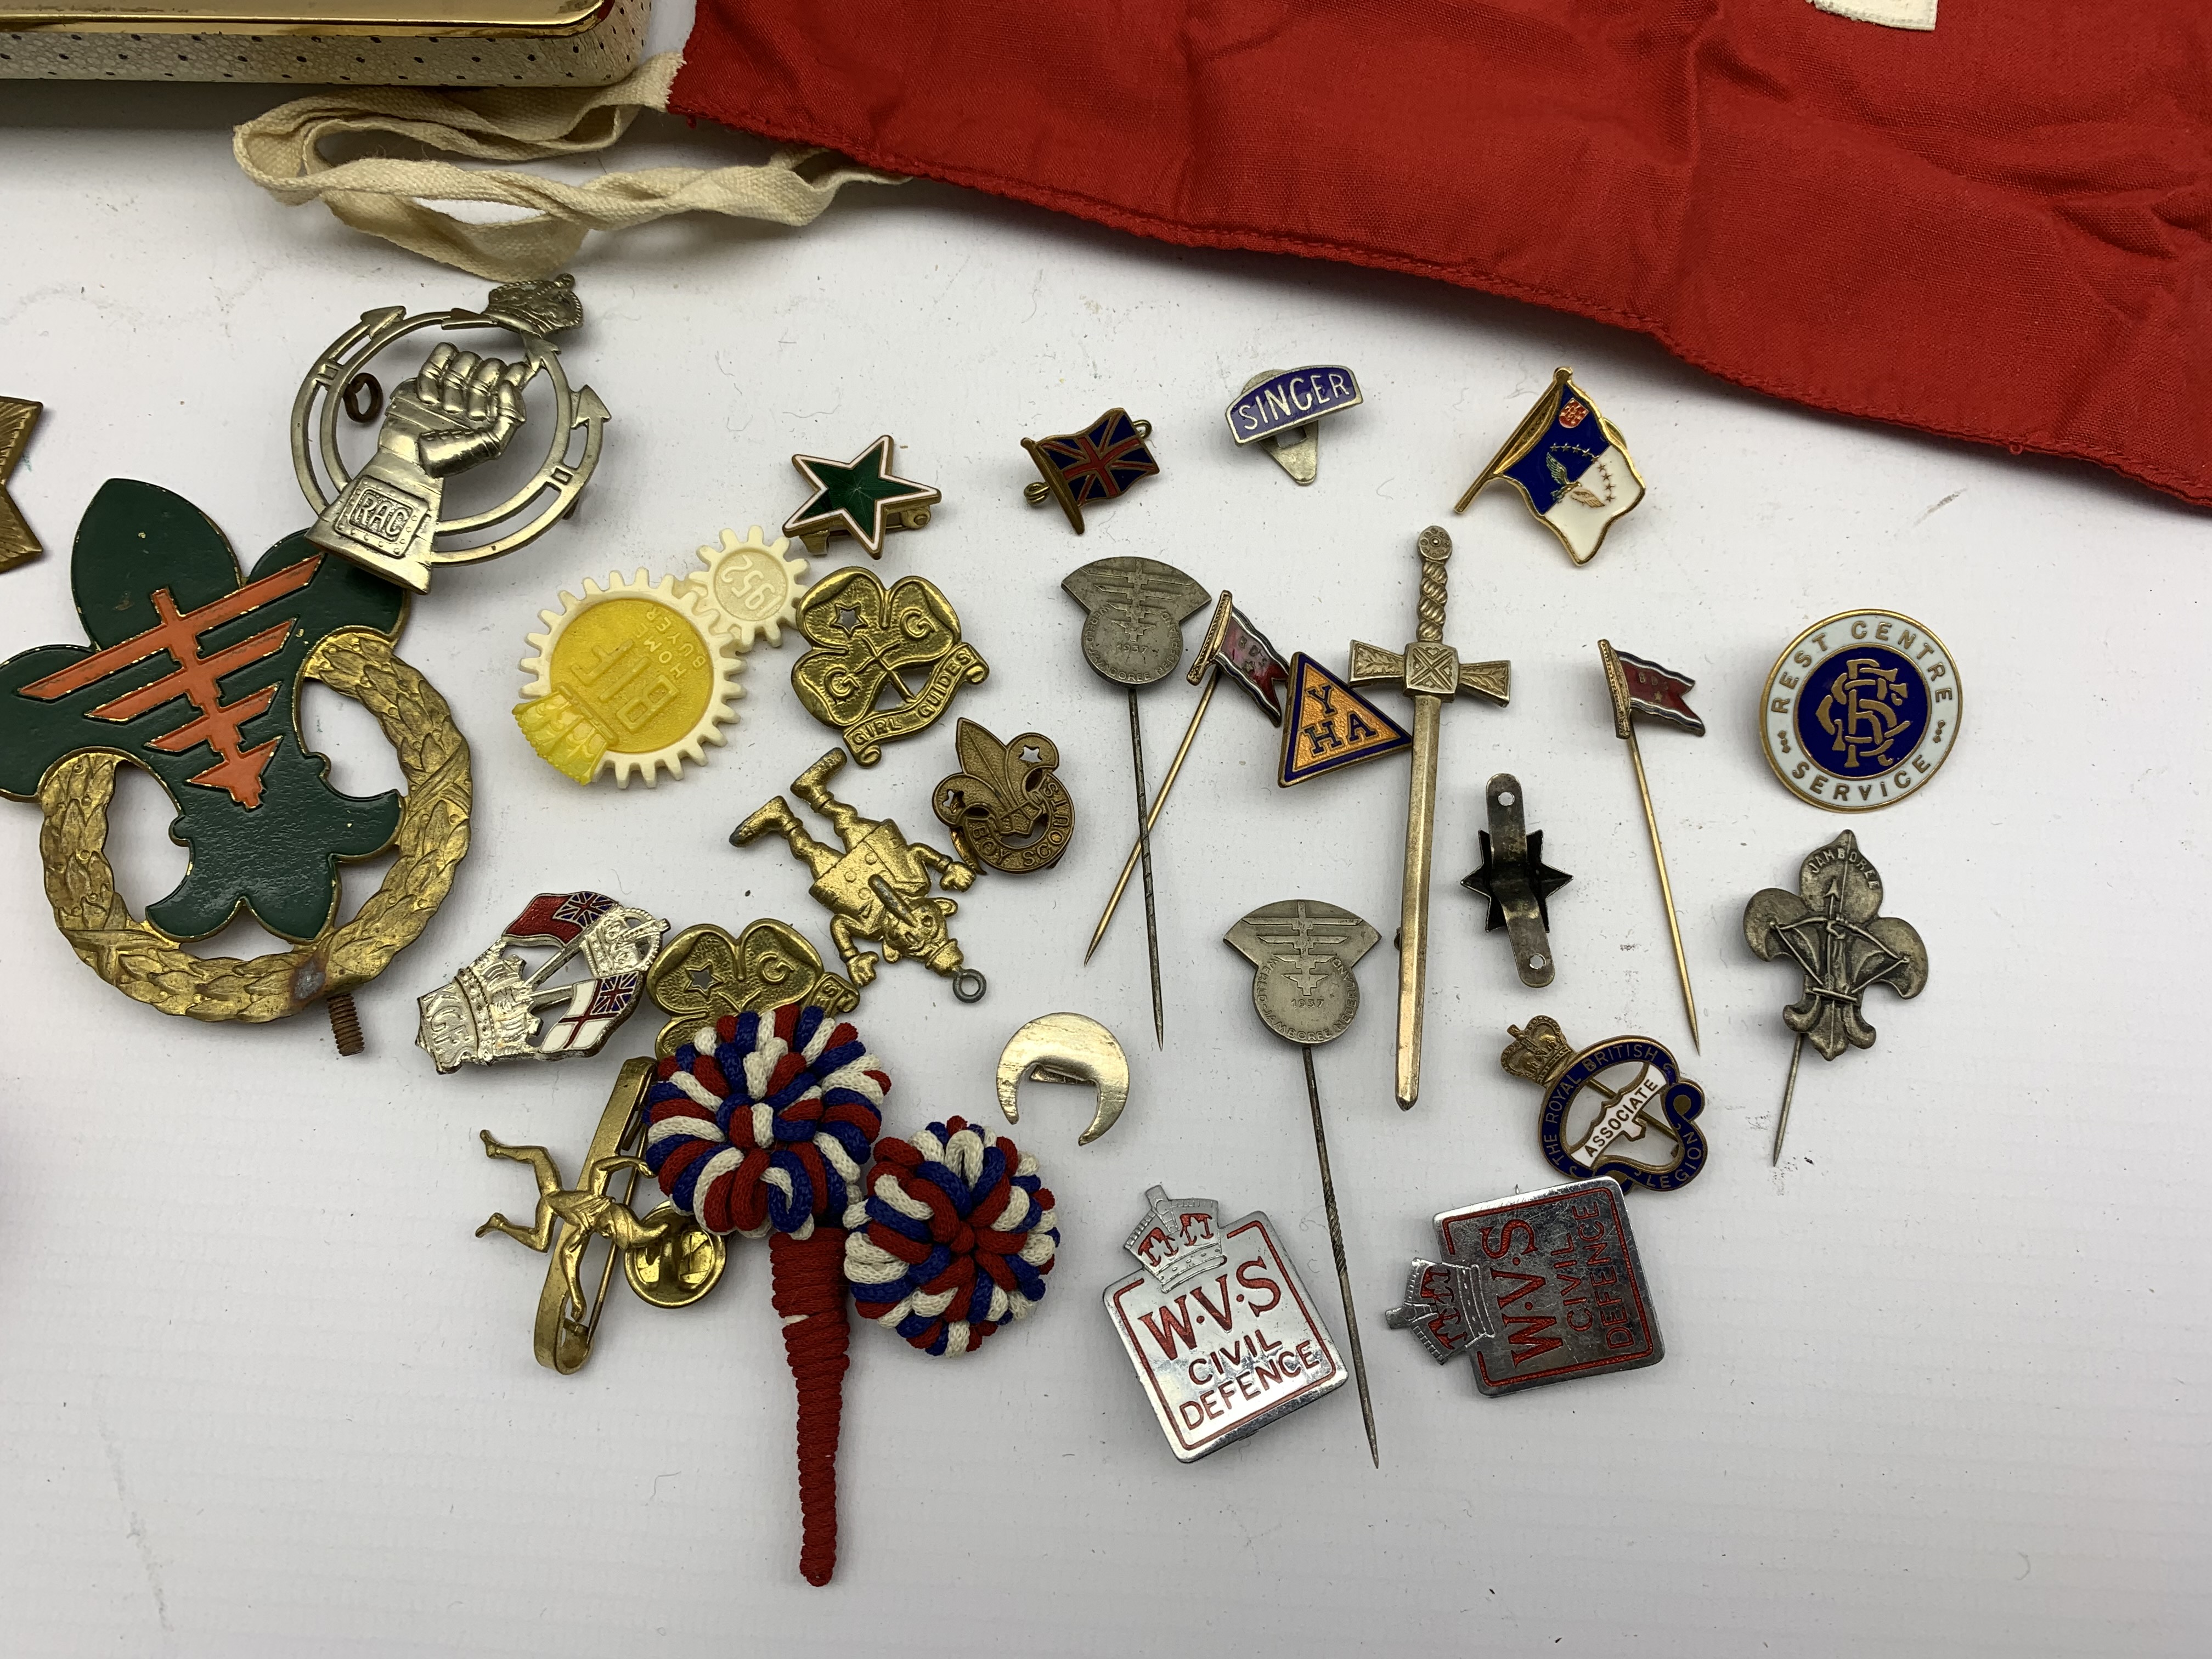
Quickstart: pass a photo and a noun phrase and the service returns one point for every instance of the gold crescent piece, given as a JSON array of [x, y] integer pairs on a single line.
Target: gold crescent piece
[[1067, 1049], [142, 961]]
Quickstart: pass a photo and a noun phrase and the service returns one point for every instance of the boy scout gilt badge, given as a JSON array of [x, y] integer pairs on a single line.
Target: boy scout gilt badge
[[1223, 1336], [1536, 1288], [1571, 465], [861, 498], [1860, 710], [1095, 464], [864, 635], [1007, 808], [488, 1010], [193, 673], [459, 410], [1588, 1127]]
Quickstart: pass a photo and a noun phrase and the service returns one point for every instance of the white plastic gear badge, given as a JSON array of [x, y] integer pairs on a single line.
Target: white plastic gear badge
[[752, 586], [633, 677]]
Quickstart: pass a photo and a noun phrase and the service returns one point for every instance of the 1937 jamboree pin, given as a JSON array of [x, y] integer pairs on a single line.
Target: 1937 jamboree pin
[[1860, 711]]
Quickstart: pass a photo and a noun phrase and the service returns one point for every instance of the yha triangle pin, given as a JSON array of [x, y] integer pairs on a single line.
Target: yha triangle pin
[[1331, 726]]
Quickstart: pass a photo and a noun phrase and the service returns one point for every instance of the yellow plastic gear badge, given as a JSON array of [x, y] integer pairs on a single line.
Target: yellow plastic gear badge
[[632, 677], [752, 588]]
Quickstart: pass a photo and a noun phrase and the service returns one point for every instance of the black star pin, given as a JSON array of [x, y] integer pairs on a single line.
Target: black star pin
[[1542, 878], [861, 498], [1517, 881]]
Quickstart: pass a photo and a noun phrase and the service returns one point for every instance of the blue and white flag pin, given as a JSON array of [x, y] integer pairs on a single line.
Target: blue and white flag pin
[[1571, 465]]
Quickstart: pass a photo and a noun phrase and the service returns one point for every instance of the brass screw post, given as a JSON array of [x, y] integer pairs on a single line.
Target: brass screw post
[[345, 1022]]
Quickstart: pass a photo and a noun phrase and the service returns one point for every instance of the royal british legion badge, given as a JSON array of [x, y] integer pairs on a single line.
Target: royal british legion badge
[[1637, 1129], [1223, 1336]]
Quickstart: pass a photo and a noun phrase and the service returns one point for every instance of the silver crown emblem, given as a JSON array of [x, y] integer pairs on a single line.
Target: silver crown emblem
[[1178, 1240]]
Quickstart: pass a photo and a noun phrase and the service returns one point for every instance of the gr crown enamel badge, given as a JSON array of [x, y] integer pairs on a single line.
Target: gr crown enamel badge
[[1860, 711]]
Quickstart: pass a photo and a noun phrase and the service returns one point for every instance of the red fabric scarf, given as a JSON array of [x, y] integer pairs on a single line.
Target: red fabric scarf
[[1996, 230]]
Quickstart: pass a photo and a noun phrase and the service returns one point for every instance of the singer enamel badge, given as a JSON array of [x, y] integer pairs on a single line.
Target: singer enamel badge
[[1860, 711], [1223, 1336], [1287, 407]]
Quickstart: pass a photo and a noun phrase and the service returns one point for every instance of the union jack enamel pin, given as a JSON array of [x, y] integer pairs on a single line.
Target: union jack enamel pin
[[1101, 461]]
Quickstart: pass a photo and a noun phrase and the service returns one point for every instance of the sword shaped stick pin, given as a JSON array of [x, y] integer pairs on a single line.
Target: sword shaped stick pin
[[1232, 646], [1135, 609], [1640, 686], [1303, 953], [1430, 671]]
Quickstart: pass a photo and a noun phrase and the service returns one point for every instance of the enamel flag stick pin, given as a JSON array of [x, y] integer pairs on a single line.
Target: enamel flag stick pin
[[1831, 927], [1430, 671], [1135, 609], [1639, 686], [1232, 646], [1303, 953], [1571, 466]]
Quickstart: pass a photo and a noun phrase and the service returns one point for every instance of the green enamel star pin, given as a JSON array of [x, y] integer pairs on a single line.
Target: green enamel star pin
[[862, 498]]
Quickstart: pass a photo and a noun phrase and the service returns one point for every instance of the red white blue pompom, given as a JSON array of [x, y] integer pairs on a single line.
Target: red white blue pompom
[[953, 1238], [762, 1121]]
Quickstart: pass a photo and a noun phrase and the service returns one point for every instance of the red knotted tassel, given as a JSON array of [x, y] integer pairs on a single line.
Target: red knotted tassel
[[808, 1277]]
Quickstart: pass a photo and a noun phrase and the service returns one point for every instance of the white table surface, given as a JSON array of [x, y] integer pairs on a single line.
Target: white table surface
[[1932, 1387]]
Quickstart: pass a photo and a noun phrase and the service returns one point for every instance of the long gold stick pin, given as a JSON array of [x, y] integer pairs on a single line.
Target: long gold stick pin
[[1430, 672], [1640, 686], [1133, 636], [1232, 646]]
